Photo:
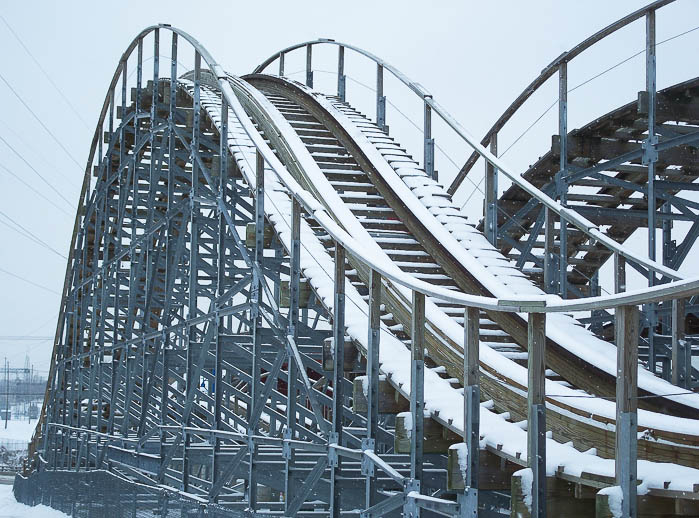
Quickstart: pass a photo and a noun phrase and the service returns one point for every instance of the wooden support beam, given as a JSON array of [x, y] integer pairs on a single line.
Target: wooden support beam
[[437, 438], [494, 473], [250, 235], [390, 401], [305, 293], [561, 499]]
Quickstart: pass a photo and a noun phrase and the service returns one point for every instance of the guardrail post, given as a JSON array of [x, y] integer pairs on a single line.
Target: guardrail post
[[341, 79], [626, 327], [562, 186], [490, 206], [681, 351], [417, 384], [309, 66], [292, 369], [472, 408], [380, 100], [281, 64], [428, 160], [536, 415], [338, 376], [649, 158], [372, 379]]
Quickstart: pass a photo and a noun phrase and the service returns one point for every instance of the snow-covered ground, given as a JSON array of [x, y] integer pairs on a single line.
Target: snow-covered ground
[[17, 430], [10, 508]]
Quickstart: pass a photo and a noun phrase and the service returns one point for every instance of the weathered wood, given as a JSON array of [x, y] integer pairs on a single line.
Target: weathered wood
[[390, 401], [285, 291], [494, 473], [650, 506], [561, 500], [437, 439], [350, 356], [250, 235]]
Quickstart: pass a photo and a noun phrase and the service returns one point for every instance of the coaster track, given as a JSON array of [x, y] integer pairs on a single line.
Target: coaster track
[[296, 319]]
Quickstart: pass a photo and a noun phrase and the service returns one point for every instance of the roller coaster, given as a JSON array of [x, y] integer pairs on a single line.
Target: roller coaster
[[271, 308]]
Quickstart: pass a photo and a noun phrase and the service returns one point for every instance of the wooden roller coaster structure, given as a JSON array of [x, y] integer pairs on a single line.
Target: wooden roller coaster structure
[[272, 309]]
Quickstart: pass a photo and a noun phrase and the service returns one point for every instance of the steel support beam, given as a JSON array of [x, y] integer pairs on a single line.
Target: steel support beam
[[536, 411], [626, 328]]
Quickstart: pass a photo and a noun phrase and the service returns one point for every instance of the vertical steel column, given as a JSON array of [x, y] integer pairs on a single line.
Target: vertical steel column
[[536, 416], [562, 186], [626, 327], [309, 66], [372, 380], [681, 351], [281, 64], [338, 377], [191, 383], [490, 204], [472, 408], [550, 278], [255, 388], [668, 244], [417, 384], [341, 78], [292, 378], [169, 267], [428, 160], [619, 273], [220, 288], [380, 100], [649, 158]]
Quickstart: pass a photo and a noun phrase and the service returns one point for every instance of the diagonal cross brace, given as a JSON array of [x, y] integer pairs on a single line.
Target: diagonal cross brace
[[269, 384], [308, 484], [308, 387], [228, 472]]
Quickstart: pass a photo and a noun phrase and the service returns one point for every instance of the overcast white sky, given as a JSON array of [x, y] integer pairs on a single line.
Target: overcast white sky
[[475, 57]]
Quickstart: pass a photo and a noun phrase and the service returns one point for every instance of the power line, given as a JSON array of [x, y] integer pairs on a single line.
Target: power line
[[25, 338], [36, 62], [36, 239], [28, 281], [40, 121], [38, 153], [33, 169], [20, 179]]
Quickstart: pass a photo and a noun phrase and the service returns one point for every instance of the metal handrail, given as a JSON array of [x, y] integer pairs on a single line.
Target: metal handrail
[[569, 215], [546, 73]]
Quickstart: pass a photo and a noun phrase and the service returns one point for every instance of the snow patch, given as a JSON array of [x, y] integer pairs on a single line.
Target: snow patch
[[614, 499], [527, 477]]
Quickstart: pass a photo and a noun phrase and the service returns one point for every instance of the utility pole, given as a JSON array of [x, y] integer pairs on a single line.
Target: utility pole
[[7, 391]]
